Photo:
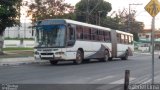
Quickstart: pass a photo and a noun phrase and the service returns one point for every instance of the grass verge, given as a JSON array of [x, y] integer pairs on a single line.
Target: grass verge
[[16, 49]]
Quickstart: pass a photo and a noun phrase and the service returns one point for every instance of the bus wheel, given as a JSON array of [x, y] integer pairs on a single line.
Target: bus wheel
[[125, 56], [53, 62], [79, 57], [106, 56]]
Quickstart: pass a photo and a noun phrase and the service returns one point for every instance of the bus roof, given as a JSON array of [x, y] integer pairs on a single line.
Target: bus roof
[[86, 24], [49, 21], [121, 32]]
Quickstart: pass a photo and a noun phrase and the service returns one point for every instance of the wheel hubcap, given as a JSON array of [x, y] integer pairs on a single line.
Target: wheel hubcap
[[106, 55], [79, 59]]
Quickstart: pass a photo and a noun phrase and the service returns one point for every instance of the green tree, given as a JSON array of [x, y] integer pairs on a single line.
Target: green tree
[[49, 9], [9, 16], [113, 23], [128, 23], [90, 10]]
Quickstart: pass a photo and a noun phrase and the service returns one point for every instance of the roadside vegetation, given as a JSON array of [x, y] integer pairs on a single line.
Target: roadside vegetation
[[17, 49], [15, 52]]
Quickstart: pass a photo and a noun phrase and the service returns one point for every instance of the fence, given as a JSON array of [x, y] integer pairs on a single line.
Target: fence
[[18, 43]]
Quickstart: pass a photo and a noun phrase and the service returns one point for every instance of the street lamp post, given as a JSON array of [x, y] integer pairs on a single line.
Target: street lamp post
[[87, 11]]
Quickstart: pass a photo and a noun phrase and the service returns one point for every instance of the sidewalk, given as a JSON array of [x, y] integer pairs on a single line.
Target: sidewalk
[[147, 53], [18, 61]]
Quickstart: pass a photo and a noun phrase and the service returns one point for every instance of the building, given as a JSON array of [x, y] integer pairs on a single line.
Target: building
[[24, 31], [145, 39]]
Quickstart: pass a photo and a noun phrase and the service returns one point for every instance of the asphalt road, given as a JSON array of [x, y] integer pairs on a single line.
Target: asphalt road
[[94, 72]]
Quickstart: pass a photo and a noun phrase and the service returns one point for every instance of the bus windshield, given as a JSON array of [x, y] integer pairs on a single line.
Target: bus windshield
[[50, 36]]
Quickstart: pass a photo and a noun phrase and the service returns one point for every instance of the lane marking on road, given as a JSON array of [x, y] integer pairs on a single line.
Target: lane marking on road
[[121, 81], [148, 81], [103, 78], [146, 78]]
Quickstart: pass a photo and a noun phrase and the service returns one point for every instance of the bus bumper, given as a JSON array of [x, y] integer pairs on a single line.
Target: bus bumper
[[55, 56]]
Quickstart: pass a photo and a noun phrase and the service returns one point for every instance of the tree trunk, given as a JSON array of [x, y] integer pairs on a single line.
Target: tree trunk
[[2, 29], [1, 44]]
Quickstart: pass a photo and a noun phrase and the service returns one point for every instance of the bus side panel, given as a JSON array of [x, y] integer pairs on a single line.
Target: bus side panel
[[99, 49], [114, 43], [121, 49], [91, 49], [86, 46]]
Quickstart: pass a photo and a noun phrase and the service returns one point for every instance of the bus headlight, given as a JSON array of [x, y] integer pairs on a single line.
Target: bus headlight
[[59, 53]]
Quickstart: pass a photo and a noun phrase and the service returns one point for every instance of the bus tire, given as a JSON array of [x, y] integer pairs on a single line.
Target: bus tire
[[53, 62], [79, 57], [125, 56], [106, 56]]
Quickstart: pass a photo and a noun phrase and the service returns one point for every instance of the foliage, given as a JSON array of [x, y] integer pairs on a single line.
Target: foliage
[[16, 49], [48, 9], [9, 13], [126, 22], [90, 10], [8, 38], [113, 23]]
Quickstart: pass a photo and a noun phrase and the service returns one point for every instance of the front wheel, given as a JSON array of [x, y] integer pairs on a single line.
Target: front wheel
[[79, 57]]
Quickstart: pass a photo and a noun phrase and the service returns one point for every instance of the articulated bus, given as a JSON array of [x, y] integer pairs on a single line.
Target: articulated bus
[[63, 39]]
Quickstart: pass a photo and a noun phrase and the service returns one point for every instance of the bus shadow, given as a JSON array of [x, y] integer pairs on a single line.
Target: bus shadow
[[70, 63]]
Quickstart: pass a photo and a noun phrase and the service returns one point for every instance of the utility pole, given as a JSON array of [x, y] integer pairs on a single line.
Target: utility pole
[[130, 15], [25, 28], [87, 12], [90, 11], [99, 13], [19, 20]]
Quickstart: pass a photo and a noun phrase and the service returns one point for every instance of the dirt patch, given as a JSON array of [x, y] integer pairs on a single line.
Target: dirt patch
[[14, 54]]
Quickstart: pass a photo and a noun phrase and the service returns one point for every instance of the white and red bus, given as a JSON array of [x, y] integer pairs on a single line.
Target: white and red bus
[[63, 39]]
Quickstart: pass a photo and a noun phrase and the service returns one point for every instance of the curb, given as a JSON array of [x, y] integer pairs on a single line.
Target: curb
[[146, 53], [19, 61]]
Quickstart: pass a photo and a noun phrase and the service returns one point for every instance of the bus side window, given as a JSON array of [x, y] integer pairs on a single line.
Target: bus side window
[[129, 40], [71, 32], [126, 39], [86, 33], [118, 38], [79, 32], [93, 34], [107, 36], [101, 35], [122, 39]]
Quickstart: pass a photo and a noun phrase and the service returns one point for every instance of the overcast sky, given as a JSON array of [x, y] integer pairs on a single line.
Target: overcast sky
[[141, 14]]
